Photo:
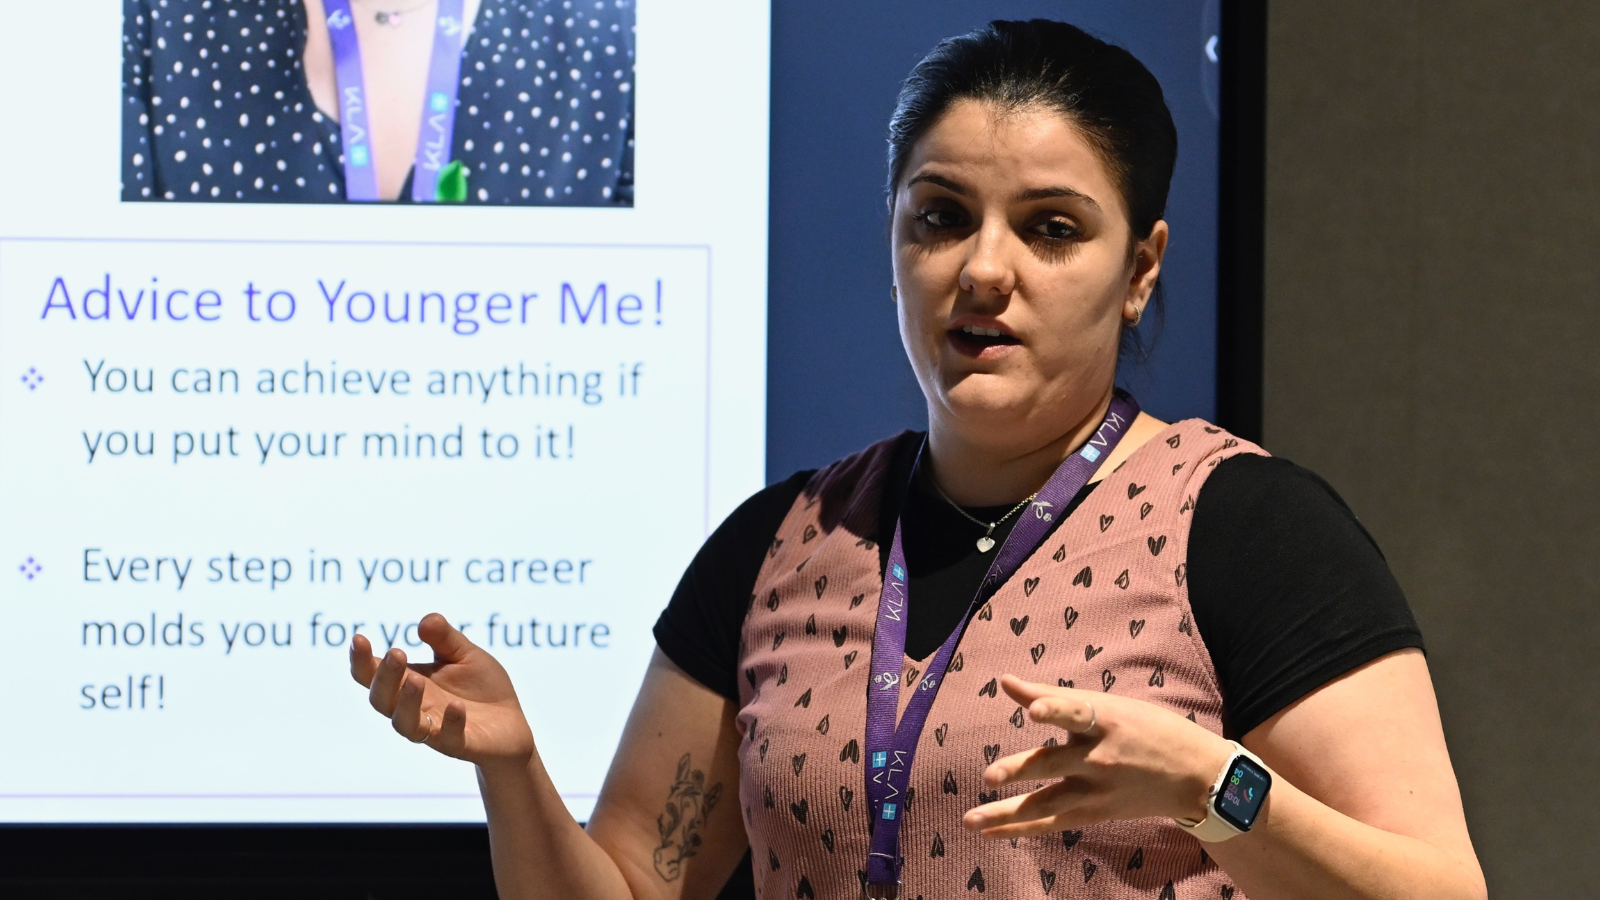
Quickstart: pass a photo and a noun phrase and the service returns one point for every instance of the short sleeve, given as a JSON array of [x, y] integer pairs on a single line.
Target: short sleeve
[[1288, 590], [700, 628]]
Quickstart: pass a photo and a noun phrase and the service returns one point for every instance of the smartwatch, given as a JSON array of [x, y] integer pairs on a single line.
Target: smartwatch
[[1235, 799]]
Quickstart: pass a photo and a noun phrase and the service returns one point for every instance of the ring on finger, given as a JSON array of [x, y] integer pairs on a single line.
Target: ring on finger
[[1090, 727], [427, 733]]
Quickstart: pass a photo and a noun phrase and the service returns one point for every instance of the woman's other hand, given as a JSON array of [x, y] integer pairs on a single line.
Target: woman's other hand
[[462, 704], [1118, 758]]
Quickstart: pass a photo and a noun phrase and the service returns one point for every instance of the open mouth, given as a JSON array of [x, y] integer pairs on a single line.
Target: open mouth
[[973, 340]]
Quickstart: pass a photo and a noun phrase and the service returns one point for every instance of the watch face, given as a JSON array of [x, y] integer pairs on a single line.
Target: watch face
[[1243, 792]]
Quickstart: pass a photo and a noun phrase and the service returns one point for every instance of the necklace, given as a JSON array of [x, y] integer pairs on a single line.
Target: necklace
[[985, 543], [394, 18]]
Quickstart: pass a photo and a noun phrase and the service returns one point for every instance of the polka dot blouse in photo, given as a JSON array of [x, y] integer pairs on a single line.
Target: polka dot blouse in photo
[[216, 106]]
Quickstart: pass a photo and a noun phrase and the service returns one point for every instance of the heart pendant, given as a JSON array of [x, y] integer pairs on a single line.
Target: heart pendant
[[985, 544]]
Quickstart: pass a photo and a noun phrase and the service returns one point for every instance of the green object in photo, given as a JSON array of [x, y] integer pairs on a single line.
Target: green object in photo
[[452, 185]]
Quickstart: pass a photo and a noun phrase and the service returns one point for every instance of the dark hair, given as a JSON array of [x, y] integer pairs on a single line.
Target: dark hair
[[1107, 94]]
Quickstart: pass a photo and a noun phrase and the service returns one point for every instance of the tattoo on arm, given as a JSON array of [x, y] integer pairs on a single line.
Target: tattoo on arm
[[688, 803]]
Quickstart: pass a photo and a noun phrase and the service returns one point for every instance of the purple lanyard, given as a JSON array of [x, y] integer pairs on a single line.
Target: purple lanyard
[[890, 749], [438, 106]]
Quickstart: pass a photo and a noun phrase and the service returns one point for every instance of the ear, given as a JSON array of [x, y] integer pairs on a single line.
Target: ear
[[1147, 256]]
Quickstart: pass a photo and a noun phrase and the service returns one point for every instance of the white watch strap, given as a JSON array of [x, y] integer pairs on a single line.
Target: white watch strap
[[1213, 828]]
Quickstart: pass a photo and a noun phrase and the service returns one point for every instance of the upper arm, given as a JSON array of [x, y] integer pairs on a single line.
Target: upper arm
[[1370, 745], [668, 813]]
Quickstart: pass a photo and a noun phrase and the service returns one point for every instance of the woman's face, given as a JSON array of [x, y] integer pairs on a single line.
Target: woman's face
[[1014, 273]]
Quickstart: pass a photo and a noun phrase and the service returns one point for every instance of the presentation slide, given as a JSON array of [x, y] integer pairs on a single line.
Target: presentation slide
[[320, 315]]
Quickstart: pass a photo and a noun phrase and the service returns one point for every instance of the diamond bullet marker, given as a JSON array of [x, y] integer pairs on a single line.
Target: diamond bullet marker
[[32, 378], [30, 568]]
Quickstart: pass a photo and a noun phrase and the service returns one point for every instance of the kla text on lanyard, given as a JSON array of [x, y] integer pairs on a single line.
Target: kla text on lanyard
[[438, 105]]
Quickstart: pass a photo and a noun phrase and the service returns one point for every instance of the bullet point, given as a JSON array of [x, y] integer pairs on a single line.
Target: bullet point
[[32, 378], [30, 568]]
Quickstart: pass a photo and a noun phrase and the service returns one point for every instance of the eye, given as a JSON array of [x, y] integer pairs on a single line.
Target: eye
[[1057, 229], [940, 218]]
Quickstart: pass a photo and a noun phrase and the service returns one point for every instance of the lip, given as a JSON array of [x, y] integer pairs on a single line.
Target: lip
[[974, 348]]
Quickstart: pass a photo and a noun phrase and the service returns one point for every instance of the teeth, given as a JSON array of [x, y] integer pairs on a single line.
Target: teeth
[[981, 332]]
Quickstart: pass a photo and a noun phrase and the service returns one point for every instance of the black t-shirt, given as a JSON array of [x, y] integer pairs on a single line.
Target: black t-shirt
[[1288, 589]]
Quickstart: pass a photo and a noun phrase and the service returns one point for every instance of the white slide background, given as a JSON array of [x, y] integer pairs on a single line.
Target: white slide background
[[249, 715]]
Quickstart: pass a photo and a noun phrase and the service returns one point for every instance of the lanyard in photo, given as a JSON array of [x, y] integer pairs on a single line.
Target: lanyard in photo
[[890, 749], [438, 105]]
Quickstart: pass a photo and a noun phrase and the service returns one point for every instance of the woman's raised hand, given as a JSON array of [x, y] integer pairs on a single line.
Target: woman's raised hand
[[462, 704], [1119, 758]]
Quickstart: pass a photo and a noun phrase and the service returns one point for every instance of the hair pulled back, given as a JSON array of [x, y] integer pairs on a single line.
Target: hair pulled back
[[1107, 94]]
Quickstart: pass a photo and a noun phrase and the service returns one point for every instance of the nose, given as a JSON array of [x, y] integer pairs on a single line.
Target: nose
[[988, 273]]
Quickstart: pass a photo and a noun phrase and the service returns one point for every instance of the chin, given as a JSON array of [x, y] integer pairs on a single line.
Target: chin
[[988, 401]]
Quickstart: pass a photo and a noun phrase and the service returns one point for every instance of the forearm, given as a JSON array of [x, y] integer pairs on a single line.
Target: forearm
[[538, 849], [1301, 849]]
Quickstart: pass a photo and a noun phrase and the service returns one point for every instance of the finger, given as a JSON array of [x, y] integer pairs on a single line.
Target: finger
[[363, 665], [1038, 764], [1074, 713], [386, 682], [1025, 692], [448, 643], [451, 738], [407, 718], [1059, 801]]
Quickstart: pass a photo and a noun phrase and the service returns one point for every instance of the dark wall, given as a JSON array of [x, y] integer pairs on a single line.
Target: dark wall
[[1431, 348]]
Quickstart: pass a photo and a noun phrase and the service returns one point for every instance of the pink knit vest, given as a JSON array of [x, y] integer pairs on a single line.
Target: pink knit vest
[[1102, 605]]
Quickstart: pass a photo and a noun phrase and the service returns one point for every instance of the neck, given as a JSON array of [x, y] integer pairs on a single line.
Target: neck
[[981, 473]]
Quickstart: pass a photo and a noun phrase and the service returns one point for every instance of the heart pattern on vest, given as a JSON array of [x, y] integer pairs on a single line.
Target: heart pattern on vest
[[803, 605]]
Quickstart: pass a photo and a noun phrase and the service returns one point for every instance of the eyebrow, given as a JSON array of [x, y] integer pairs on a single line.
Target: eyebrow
[[1046, 193]]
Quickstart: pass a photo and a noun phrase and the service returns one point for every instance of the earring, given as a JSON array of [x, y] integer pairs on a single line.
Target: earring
[[1138, 316], [894, 294]]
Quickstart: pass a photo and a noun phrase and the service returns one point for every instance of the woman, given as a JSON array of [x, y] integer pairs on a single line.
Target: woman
[[241, 102], [1215, 593]]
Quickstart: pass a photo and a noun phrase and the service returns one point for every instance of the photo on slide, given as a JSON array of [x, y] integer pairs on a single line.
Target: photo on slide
[[491, 102]]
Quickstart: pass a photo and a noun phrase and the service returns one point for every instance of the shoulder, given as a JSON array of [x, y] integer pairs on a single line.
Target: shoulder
[[1249, 492]]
